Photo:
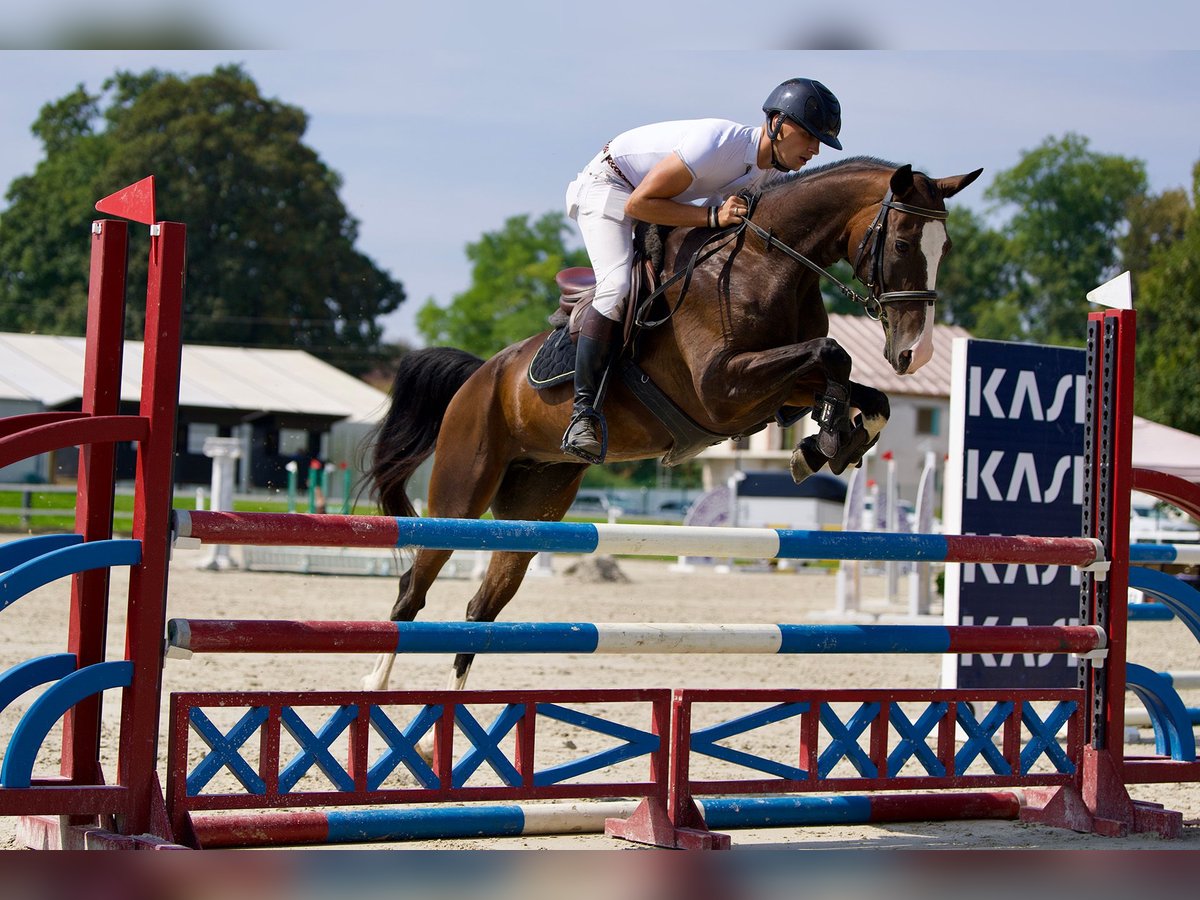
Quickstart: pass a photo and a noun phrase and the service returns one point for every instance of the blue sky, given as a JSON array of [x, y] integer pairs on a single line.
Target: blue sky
[[443, 123]]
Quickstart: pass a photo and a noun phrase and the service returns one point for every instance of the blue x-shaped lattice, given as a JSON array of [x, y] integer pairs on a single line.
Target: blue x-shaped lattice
[[913, 739], [223, 750], [637, 743], [1043, 737], [979, 740], [402, 747], [485, 745], [844, 743], [314, 748], [705, 740]]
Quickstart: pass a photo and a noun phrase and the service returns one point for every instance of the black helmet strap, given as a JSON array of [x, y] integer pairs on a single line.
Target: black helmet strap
[[774, 127], [774, 124]]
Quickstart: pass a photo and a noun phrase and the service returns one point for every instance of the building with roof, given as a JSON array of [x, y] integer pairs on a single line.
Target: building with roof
[[284, 405], [920, 411]]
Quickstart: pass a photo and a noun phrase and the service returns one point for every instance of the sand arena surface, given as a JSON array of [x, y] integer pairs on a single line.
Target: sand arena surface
[[36, 625]]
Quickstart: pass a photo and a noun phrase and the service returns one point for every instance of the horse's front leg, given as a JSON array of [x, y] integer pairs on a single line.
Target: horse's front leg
[[852, 438], [813, 373], [874, 408]]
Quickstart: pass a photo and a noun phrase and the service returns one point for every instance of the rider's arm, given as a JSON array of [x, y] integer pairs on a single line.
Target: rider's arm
[[651, 201]]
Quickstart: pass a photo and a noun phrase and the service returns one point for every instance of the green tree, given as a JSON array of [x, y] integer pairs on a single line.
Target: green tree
[[1070, 205], [271, 247], [1168, 382], [1156, 221], [512, 290]]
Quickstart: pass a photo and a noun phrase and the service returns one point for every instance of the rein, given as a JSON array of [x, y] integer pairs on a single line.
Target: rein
[[686, 274], [874, 304], [874, 312]]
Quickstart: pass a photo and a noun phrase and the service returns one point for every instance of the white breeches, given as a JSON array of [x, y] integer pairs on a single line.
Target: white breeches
[[596, 200]]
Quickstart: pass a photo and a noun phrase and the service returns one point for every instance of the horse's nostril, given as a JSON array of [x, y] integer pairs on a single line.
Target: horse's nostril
[[906, 356]]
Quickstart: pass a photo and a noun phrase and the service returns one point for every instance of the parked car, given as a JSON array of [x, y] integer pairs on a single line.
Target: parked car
[[674, 508], [591, 502]]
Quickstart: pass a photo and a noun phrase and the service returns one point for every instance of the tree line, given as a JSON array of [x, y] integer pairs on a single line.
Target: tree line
[[273, 261]]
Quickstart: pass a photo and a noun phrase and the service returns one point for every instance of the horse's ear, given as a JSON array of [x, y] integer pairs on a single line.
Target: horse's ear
[[951, 186], [902, 180]]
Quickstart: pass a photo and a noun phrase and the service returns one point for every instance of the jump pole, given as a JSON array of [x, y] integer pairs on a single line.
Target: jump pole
[[441, 823], [284, 529], [188, 636]]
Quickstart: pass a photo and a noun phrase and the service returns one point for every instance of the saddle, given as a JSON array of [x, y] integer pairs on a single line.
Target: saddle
[[554, 362]]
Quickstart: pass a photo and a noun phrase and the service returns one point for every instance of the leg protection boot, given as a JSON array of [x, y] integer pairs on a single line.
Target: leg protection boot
[[841, 441], [832, 413]]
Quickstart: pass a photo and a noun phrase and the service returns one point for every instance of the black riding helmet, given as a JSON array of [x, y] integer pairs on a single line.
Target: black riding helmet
[[810, 105]]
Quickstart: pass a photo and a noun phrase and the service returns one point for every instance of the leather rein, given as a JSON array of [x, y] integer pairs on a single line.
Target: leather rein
[[874, 304]]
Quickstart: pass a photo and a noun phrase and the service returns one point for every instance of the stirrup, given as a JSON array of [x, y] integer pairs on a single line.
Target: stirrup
[[601, 429]]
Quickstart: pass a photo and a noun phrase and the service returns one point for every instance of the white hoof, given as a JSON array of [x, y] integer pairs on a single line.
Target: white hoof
[[800, 467]]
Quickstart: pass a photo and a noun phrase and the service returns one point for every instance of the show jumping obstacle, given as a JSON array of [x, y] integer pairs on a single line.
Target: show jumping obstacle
[[1062, 748]]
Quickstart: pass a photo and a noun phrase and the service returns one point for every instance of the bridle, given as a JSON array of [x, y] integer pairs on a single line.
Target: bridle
[[875, 303]]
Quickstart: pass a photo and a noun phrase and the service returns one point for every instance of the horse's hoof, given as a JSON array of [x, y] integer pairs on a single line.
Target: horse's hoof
[[806, 459]]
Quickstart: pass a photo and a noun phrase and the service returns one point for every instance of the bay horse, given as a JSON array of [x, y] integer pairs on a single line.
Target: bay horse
[[749, 338]]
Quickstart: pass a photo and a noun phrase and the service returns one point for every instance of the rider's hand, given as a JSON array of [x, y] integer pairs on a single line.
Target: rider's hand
[[732, 211]]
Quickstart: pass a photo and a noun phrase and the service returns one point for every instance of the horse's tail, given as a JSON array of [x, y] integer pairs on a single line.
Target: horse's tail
[[425, 382]]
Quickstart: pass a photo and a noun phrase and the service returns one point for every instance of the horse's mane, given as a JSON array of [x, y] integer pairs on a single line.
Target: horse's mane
[[849, 164]]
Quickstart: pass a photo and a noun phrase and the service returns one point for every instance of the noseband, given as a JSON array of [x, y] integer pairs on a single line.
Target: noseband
[[875, 302]]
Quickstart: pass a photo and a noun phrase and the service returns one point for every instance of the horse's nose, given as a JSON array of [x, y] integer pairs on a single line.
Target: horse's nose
[[905, 360]]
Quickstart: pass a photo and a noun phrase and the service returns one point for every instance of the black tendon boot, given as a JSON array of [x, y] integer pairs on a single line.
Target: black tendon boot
[[836, 442], [840, 442], [586, 435], [832, 413]]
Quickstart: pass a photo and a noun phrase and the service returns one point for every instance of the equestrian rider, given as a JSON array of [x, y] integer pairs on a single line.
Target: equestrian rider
[[676, 173]]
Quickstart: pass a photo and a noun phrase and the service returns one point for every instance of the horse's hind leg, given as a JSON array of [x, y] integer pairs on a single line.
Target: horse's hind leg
[[529, 492], [410, 600], [463, 484]]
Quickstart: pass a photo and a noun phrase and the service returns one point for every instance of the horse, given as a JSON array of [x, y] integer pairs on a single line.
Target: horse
[[747, 339]]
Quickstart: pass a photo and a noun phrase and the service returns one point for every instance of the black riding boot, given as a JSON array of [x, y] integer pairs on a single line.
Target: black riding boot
[[586, 435]]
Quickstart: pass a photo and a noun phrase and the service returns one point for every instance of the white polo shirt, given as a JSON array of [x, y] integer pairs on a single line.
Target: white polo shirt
[[721, 155]]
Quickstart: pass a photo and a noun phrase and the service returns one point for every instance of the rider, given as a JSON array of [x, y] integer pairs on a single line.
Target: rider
[[676, 173]]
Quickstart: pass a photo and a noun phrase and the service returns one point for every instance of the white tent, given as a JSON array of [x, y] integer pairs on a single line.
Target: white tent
[[1166, 449]]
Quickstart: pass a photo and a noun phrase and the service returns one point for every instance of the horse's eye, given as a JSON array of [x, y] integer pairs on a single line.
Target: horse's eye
[[902, 246]]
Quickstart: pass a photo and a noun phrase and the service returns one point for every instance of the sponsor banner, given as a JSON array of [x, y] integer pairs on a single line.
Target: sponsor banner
[[1015, 468]]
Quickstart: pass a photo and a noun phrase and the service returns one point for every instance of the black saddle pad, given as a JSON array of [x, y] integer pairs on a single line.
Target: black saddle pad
[[554, 361]]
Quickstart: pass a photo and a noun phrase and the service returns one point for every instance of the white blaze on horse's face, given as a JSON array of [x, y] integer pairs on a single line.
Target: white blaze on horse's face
[[933, 244]]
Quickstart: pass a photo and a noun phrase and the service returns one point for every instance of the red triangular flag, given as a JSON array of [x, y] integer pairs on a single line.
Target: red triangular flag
[[135, 202]]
